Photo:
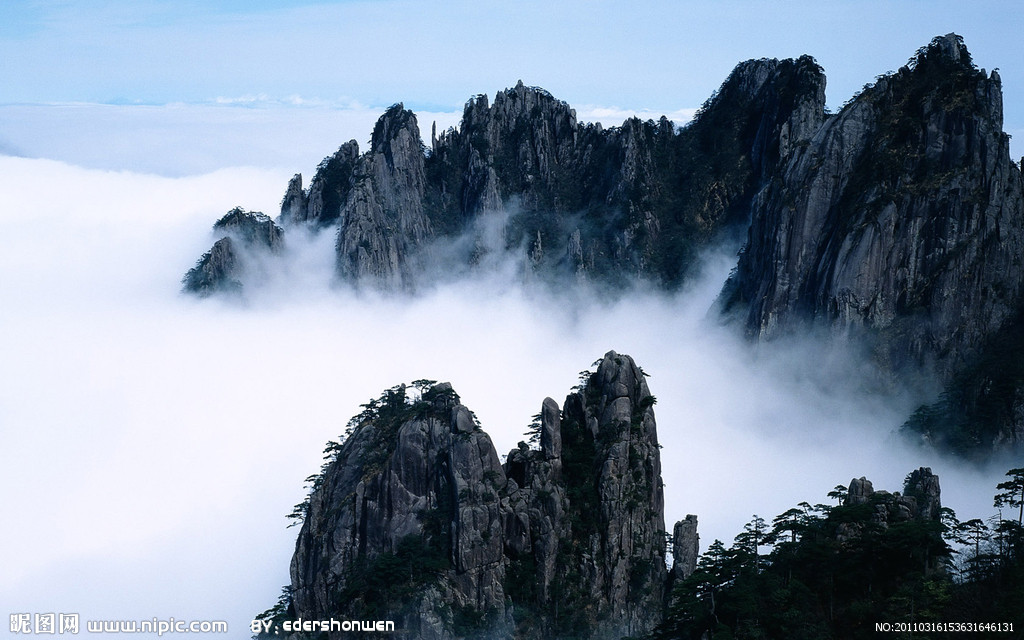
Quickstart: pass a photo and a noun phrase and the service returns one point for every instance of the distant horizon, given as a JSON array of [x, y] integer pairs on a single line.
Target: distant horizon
[[340, 64]]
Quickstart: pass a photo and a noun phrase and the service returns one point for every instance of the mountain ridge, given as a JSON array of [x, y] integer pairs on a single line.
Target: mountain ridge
[[898, 220], [582, 200]]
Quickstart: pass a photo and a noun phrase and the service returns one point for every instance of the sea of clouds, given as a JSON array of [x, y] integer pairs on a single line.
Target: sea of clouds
[[153, 443]]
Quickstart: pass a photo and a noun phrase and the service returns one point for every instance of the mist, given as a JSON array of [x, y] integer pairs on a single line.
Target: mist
[[153, 443]]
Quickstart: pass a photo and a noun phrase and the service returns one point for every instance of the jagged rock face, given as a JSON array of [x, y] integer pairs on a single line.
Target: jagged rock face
[[217, 271], [685, 547], [253, 228], [321, 205], [294, 205], [596, 510], [860, 491], [374, 199], [416, 485], [579, 200], [914, 515], [634, 201], [565, 541], [382, 218], [772, 106], [923, 486], [921, 500], [517, 147], [900, 219], [901, 216], [223, 267]]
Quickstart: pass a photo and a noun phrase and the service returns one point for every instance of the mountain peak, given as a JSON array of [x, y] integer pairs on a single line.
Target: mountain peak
[[396, 119], [546, 545], [950, 48]]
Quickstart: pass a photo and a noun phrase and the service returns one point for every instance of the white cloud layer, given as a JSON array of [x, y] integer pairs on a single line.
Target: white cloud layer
[[153, 443]]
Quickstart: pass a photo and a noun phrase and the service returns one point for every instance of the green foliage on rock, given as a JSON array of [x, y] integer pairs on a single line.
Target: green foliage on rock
[[833, 572]]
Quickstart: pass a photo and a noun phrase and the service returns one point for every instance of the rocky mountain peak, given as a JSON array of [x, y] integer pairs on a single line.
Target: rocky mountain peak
[[755, 80], [949, 48], [889, 217], [685, 548], [748, 79], [612, 513], [253, 228], [381, 215], [395, 122], [217, 271], [321, 205], [923, 485], [293, 204], [244, 237], [899, 219], [771, 107], [613, 203], [524, 101], [565, 541], [619, 377]]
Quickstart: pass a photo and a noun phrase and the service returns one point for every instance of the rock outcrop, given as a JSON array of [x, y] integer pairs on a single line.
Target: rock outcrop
[[415, 520], [685, 547], [920, 502], [902, 214], [594, 507], [616, 204], [414, 488], [243, 233], [921, 498], [382, 218], [900, 219]]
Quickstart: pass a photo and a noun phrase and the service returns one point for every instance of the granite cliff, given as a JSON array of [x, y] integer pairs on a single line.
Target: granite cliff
[[921, 501], [901, 214], [900, 220], [415, 519]]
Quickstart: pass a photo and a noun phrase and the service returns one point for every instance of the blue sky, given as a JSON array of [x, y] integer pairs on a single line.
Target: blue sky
[[657, 56], [435, 54]]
